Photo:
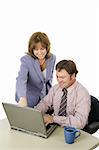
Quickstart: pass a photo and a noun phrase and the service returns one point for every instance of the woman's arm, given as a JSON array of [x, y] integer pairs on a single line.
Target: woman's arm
[[21, 83]]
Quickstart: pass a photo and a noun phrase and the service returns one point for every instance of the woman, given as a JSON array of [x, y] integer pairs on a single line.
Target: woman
[[36, 71]]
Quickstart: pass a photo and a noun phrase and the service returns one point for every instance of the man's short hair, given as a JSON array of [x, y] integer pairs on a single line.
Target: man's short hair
[[68, 65]]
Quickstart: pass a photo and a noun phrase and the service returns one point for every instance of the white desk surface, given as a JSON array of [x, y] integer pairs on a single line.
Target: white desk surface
[[16, 140]]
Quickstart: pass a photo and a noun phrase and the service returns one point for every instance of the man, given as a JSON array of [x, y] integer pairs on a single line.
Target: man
[[74, 110]]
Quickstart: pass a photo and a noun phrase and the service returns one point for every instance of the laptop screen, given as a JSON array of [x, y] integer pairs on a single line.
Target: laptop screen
[[25, 118]]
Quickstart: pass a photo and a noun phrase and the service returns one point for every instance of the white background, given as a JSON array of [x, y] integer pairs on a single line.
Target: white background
[[72, 27]]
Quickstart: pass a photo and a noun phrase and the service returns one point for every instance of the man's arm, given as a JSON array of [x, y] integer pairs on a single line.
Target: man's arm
[[48, 119], [46, 102]]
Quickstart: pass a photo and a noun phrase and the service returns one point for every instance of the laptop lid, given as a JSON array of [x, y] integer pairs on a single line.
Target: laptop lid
[[25, 119]]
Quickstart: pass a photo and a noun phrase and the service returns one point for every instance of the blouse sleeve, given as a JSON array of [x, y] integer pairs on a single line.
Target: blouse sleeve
[[21, 80]]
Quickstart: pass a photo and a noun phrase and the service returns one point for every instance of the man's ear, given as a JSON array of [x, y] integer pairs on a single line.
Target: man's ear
[[73, 76]]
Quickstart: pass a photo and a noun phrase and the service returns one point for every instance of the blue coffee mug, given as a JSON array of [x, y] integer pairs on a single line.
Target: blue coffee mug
[[71, 134]]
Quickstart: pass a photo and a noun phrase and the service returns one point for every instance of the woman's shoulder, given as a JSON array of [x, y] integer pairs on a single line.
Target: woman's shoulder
[[52, 57], [27, 58]]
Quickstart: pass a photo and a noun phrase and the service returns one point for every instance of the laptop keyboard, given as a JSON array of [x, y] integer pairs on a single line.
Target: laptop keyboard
[[48, 126], [51, 125]]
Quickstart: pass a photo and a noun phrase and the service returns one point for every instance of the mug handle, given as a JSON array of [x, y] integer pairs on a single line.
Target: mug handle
[[78, 134]]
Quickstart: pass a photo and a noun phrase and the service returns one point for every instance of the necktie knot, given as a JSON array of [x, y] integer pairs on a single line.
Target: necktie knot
[[64, 91]]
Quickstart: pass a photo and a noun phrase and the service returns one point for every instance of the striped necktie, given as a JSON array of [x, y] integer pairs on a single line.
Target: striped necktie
[[63, 104]]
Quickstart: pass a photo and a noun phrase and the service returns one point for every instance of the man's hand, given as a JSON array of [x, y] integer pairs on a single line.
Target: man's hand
[[48, 119]]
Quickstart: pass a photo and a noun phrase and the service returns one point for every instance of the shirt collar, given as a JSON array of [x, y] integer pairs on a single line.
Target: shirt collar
[[69, 89]]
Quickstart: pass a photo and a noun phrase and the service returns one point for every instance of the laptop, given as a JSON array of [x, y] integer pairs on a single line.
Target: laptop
[[27, 120]]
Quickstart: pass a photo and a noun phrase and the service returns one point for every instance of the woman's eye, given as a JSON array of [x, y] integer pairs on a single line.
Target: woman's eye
[[42, 49], [39, 49]]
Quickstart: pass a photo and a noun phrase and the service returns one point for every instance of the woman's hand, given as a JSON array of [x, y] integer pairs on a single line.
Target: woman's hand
[[22, 102]]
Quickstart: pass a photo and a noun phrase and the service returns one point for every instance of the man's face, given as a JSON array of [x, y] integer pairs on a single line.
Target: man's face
[[64, 78]]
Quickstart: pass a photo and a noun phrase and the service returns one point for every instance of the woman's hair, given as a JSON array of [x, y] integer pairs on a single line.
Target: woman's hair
[[36, 38], [68, 65]]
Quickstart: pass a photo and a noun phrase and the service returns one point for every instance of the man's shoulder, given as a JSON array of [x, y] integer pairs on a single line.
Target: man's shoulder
[[82, 88]]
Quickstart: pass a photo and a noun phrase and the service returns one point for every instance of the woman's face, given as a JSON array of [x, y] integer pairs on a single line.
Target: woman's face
[[40, 51]]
